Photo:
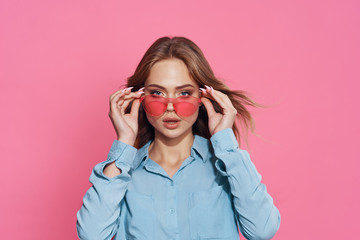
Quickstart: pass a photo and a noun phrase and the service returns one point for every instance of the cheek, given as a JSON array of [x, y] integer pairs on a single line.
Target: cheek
[[151, 119], [191, 119], [156, 122]]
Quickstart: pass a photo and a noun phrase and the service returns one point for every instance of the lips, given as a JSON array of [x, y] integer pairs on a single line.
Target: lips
[[171, 120], [171, 123]]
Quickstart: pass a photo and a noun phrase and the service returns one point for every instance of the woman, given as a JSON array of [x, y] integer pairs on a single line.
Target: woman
[[175, 170]]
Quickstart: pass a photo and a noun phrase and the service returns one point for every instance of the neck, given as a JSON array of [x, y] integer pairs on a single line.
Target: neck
[[165, 149]]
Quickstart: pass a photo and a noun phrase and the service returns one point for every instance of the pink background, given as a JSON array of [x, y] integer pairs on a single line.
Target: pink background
[[61, 60]]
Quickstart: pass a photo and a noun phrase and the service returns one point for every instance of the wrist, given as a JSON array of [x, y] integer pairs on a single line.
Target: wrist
[[128, 141]]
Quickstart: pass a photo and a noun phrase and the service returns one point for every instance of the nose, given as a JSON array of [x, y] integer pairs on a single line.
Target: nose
[[170, 107]]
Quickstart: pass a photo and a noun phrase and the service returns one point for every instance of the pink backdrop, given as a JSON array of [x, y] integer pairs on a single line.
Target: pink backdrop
[[61, 60]]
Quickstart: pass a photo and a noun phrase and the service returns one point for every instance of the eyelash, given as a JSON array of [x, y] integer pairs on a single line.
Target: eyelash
[[188, 93], [182, 93], [155, 92]]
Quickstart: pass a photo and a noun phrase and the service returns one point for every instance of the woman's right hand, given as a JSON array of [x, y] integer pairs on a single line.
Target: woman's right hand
[[125, 124]]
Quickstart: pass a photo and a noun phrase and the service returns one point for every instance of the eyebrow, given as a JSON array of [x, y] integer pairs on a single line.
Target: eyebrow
[[178, 87]]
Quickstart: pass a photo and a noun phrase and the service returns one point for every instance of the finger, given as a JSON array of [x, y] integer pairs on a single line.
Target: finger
[[117, 93], [135, 108], [121, 92], [205, 93], [223, 101], [211, 92], [118, 98], [129, 94], [114, 98], [208, 106], [128, 90], [117, 101], [125, 105], [133, 95], [223, 97]]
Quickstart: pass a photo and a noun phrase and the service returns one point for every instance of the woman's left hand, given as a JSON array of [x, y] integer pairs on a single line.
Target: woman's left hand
[[218, 121]]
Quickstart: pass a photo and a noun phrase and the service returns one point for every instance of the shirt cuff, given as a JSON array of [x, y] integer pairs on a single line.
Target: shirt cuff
[[123, 155], [126, 151], [224, 140]]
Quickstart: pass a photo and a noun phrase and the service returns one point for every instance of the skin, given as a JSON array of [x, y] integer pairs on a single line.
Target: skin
[[168, 146]]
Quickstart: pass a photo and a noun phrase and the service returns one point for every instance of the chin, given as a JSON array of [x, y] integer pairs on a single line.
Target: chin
[[172, 133], [172, 126]]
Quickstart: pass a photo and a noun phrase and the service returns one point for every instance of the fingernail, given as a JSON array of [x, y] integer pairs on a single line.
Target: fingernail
[[207, 87], [202, 89], [141, 89], [129, 88], [141, 92], [211, 88]]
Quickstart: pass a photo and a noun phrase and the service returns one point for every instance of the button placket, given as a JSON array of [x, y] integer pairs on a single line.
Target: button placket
[[173, 198], [172, 204]]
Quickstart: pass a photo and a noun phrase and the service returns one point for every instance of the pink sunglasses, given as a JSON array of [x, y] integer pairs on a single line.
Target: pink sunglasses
[[156, 105]]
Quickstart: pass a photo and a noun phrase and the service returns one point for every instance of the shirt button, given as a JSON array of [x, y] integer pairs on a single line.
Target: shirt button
[[172, 211]]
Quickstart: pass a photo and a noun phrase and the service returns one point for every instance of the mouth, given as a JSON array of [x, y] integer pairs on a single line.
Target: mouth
[[171, 123], [171, 120]]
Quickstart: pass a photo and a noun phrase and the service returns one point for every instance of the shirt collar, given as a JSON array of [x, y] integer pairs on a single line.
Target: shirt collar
[[201, 146], [142, 154]]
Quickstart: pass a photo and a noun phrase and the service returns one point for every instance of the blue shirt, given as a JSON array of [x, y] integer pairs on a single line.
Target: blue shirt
[[216, 190]]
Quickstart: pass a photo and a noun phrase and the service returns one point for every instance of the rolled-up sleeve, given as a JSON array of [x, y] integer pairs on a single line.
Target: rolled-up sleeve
[[257, 216], [97, 218]]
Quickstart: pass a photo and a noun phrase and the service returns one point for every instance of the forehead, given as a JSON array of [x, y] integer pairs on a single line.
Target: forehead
[[170, 73]]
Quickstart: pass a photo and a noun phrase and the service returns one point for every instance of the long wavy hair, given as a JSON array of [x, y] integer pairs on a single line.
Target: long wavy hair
[[201, 72]]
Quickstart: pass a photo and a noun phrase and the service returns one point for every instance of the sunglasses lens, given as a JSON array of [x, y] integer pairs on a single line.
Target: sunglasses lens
[[154, 105], [184, 106]]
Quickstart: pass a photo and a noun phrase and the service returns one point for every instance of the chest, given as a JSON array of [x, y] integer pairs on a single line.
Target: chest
[[170, 167], [195, 204]]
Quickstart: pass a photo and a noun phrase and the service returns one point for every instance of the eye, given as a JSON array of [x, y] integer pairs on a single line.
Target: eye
[[185, 93], [155, 92]]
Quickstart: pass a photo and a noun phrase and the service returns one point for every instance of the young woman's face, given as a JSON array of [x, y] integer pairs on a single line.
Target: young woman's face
[[170, 79]]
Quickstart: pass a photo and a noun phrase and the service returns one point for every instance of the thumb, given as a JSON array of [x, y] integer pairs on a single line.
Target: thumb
[[135, 108], [208, 105]]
